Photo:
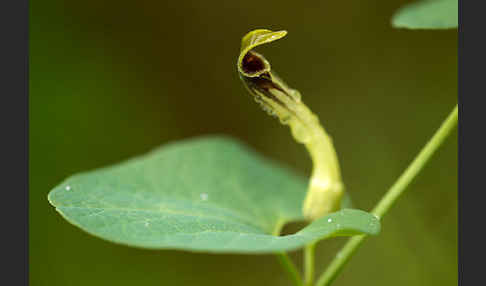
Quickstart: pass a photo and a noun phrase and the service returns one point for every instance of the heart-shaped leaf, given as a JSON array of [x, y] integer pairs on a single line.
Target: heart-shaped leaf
[[208, 194], [427, 14]]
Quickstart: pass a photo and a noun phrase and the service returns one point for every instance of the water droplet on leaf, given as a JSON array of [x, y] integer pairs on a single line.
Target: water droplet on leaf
[[204, 196]]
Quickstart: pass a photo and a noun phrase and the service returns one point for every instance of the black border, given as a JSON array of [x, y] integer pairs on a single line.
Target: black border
[[471, 185], [14, 122]]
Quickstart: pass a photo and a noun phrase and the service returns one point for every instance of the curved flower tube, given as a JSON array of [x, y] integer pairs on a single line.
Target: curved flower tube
[[325, 188]]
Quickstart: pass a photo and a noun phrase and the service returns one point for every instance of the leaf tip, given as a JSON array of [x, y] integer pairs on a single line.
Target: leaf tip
[[375, 225]]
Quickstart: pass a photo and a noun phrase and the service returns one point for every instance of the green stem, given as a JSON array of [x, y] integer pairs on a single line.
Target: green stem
[[391, 196], [309, 263], [285, 261], [417, 165], [290, 268]]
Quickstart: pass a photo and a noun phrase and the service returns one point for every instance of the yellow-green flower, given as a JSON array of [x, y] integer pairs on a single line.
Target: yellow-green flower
[[325, 187]]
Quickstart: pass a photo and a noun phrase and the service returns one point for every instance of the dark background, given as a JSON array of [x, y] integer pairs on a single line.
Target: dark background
[[113, 79]]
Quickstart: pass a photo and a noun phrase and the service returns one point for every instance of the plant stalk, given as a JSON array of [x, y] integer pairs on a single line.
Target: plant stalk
[[309, 253], [391, 196], [290, 268], [285, 261]]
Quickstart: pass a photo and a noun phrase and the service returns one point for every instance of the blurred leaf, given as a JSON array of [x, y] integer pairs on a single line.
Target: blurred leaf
[[208, 194], [428, 14]]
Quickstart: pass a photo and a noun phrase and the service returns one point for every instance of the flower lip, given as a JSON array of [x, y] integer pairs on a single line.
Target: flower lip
[[252, 63]]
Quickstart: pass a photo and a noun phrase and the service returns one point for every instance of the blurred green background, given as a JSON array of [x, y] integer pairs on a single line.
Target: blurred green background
[[112, 79]]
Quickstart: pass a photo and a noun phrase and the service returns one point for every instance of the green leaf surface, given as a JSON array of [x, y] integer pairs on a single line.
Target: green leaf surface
[[210, 194], [428, 14]]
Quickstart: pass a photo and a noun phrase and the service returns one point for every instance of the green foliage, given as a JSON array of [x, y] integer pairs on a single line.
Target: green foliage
[[208, 194], [427, 14]]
